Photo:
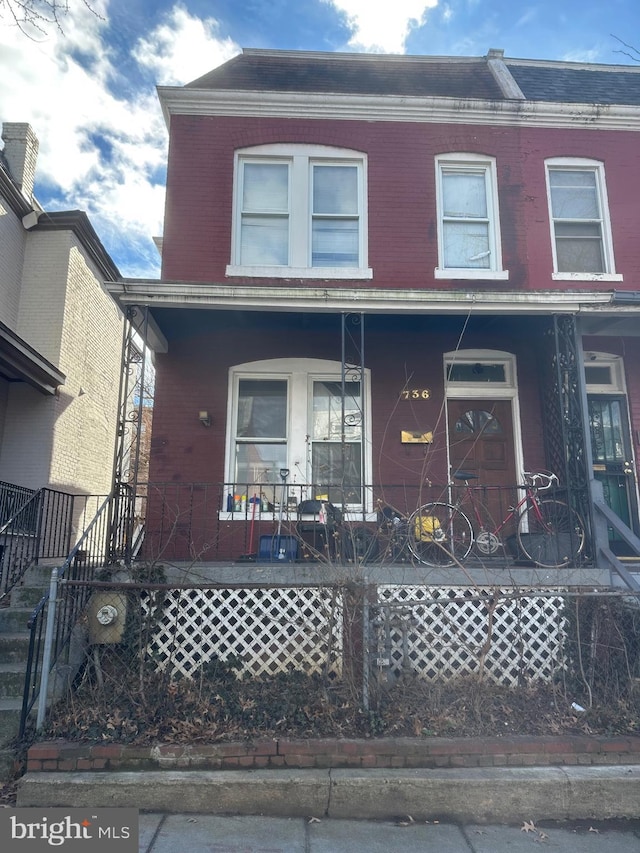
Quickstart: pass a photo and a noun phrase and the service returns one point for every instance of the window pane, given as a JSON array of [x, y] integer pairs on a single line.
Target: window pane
[[335, 190], [599, 375], [574, 194], [265, 187], [464, 195], [264, 240], [579, 254], [476, 372], [327, 411], [334, 243], [259, 463], [466, 245], [338, 466], [262, 408]]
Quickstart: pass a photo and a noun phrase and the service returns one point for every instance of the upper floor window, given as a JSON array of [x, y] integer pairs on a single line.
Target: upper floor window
[[299, 211], [578, 208], [468, 221]]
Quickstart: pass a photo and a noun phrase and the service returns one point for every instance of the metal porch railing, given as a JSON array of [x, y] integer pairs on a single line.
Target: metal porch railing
[[36, 525], [54, 621]]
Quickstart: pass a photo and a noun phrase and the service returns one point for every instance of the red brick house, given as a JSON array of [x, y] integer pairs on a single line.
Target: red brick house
[[378, 270]]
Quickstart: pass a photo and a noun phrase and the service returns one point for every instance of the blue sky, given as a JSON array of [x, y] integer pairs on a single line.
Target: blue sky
[[89, 91]]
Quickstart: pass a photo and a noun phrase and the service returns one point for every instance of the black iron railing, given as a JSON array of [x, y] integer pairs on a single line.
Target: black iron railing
[[39, 527], [54, 638]]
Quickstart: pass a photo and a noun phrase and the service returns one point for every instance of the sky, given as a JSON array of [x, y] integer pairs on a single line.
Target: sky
[[88, 88]]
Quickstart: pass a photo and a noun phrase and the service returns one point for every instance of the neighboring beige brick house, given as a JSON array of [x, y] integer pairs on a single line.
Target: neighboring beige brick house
[[60, 337]]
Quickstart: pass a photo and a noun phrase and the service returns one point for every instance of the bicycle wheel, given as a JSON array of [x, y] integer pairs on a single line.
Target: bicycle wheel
[[550, 533], [439, 534]]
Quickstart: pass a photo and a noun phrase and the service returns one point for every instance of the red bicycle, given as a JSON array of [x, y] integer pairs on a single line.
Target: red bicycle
[[549, 532]]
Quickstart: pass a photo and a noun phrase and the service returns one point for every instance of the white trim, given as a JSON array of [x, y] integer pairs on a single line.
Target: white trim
[[294, 297], [176, 100], [471, 274], [466, 163], [585, 276], [584, 164], [299, 373], [333, 273], [300, 158], [618, 384]]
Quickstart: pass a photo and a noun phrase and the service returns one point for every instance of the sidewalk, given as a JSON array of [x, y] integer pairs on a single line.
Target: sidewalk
[[212, 834]]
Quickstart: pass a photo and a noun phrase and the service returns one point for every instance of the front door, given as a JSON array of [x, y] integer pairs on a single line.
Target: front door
[[481, 440], [612, 460], [480, 435]]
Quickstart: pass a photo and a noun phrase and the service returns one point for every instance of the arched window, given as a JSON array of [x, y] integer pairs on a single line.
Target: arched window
[[299, 210]]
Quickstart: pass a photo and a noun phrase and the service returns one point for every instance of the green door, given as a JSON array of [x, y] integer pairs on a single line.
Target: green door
[[612, 460]]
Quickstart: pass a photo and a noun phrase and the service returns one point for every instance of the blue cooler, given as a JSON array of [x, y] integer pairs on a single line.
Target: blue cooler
[[278, 549]]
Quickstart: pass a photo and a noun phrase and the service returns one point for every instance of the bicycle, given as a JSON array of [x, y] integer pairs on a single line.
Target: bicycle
[[549, 532]]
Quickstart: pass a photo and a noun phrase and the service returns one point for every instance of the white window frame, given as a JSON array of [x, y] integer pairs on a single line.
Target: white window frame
[[464, 164], [300, 159], [582, 164], [300, 374]]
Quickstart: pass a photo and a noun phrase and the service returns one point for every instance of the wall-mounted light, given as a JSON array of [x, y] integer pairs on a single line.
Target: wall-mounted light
[[204, 418]]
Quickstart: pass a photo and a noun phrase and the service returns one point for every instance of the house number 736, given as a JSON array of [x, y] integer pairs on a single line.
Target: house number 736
[[415, 394]]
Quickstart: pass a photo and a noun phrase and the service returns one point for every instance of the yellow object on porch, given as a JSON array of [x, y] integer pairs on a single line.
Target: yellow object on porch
[[427, 529]]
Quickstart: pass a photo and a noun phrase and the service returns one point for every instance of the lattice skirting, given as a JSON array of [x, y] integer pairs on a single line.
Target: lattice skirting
[[267, 630], [441, 633]]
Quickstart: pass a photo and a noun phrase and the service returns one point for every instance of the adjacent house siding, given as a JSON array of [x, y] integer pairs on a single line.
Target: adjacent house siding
[[12, 241], [65, 442]]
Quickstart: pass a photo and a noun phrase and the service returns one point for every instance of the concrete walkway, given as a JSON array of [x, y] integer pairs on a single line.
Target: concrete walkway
[[471, 795], [214, 834]]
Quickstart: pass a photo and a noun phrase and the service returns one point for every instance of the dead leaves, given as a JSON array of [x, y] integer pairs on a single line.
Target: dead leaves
[[539, 837]]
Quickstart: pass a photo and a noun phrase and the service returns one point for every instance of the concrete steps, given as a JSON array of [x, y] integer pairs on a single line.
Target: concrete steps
[[14, 649]]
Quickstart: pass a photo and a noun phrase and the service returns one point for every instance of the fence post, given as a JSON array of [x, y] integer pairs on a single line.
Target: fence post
[[48, 645]]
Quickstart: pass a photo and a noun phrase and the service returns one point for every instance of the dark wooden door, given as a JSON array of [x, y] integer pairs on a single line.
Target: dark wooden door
[[481, 440]]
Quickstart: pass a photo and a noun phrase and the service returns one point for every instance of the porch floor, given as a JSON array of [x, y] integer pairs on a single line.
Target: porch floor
[[488, 572]]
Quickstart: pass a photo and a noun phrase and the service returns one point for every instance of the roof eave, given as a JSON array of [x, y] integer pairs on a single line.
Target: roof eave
[[310, 105]]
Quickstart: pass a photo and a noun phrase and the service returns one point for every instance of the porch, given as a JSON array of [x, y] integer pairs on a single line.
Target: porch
[[234, 533]]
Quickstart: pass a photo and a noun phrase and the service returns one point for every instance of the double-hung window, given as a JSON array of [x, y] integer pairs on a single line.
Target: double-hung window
[[299, 211], [301, 416], [580, 228], [469, 244]]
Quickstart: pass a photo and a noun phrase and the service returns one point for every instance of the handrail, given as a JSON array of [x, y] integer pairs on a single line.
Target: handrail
[[94, 539], [606, 517], [35, 496]]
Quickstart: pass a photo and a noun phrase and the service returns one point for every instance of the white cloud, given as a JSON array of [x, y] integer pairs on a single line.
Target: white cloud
[[382, 27], [183, 48], [102, 151]]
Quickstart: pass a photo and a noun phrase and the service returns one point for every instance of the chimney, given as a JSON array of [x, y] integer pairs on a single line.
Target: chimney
[[21, 153]]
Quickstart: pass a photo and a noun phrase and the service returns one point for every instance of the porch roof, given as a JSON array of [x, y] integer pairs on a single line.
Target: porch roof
[[20, 362], [601, 312], [301, 296]]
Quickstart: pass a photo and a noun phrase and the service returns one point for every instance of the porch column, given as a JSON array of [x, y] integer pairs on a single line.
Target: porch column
[[565, 415]]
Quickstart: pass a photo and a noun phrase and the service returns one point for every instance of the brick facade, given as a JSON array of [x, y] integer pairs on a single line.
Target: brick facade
[[323, 753]]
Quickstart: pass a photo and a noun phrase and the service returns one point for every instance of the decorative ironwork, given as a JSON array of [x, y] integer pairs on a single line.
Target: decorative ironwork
[[134, 397], [352, 372], [564, 425]]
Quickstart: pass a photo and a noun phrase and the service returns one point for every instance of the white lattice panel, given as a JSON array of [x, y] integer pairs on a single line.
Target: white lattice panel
[[269, 630], [441, 633]]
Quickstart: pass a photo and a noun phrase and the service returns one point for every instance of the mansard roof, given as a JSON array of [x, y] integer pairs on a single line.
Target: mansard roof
[[576, 84], [492, 77], [353, 74]]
